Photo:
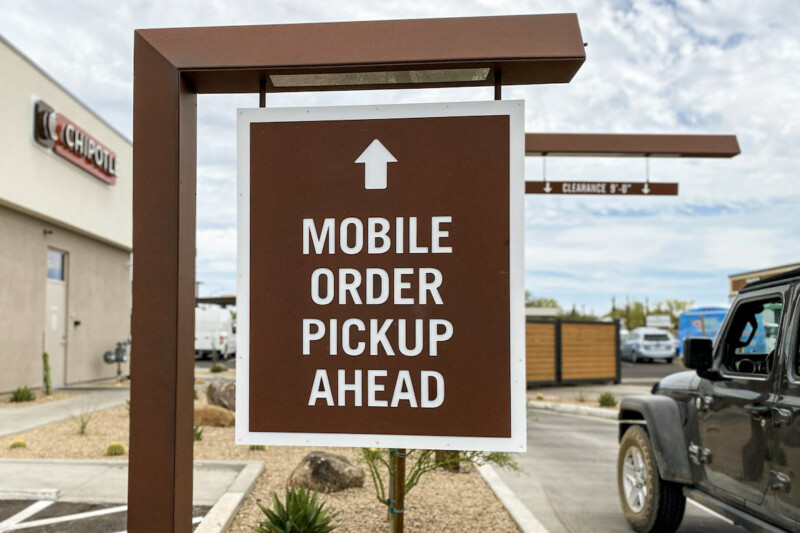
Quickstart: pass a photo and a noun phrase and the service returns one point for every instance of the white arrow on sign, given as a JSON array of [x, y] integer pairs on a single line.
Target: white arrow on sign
[[646, 188], [547, 187], [376, 159]]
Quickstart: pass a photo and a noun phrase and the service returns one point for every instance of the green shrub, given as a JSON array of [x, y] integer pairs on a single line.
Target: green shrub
[[540, 397], [115, 448], [82, 420], [257, 447], [581, 398], [216, 368], [302, 513], [18, 443], [607, 400], [196, 397], [22, 394], [48, 382], [198, 433]]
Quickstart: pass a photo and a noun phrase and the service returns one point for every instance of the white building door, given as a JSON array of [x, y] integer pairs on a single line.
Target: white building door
[[55, 324]]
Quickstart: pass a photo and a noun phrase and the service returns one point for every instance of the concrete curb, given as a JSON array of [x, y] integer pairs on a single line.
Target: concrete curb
[[597, 412], [520, 514], [220, 517], [32, 494]]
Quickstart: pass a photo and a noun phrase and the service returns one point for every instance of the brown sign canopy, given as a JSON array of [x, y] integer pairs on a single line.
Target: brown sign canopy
[[171, 66], [626, 144]]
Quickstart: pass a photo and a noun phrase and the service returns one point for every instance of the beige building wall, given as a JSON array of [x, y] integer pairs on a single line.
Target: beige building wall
[[98, 295], [35, 181], [85, 217]]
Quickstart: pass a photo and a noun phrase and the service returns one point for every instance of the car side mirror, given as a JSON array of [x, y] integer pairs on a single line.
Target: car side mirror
[[698, 353]]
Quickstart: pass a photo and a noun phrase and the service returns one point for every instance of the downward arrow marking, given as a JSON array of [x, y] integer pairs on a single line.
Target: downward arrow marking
[[376, 159], [547, 187], [646, 188]]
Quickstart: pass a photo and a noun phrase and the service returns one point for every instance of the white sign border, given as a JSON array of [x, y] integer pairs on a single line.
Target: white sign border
[[515, 110]]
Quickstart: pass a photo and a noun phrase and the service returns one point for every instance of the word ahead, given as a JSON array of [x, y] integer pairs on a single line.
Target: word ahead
[[378, 303], [617, 188]]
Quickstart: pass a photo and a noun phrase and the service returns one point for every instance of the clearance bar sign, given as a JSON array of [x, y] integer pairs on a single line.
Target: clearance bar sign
[[380, 267], [600, 188]]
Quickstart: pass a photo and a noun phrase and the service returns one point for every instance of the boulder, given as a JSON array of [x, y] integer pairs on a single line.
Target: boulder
[[213, 416], [326, 472], [222, 393]]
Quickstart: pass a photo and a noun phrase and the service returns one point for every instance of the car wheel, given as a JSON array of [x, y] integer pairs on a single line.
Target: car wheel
[[669, 360], [650, 504]]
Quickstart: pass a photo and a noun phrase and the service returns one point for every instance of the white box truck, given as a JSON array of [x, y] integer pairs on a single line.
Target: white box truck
[[214, 329]]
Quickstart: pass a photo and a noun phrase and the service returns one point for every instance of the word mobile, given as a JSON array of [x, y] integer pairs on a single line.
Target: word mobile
[[380, 296]]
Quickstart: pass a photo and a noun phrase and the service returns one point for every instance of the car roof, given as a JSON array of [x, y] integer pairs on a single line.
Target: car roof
[[650, 330], [791, 275]]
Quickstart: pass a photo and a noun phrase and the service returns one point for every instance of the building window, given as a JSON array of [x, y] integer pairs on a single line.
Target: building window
[[55, 265]]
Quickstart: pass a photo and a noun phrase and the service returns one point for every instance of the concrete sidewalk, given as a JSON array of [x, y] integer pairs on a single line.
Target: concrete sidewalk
[[18, 419]]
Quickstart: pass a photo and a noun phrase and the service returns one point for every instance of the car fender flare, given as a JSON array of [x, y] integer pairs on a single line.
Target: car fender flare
[[663, 420]]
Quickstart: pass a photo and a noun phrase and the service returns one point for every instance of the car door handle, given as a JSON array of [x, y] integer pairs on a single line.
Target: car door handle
[[781, 415]]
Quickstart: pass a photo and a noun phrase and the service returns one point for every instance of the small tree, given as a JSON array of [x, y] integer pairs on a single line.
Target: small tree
[[421, 462]]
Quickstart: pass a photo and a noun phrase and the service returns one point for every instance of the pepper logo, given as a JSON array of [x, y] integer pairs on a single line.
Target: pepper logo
[[64, 138]]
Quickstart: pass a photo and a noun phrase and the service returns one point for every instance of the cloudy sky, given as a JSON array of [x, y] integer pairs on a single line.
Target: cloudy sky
[[652, 67]]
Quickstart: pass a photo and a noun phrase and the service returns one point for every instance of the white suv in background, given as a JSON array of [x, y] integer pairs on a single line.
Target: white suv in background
[[648, 344]]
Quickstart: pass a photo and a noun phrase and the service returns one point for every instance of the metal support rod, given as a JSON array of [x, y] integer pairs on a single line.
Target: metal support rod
[[262, 92], [647, 168], [399, 491], [498, 85], [392, 466]]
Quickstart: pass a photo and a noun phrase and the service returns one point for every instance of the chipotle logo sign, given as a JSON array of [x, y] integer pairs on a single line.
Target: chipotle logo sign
[[54, 131]]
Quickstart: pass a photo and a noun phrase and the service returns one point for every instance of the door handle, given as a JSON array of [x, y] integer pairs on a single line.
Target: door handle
[[781, 415], [758, 411]]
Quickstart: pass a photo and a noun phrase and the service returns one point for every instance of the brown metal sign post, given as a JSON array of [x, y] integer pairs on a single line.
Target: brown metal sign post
[[171, 67]]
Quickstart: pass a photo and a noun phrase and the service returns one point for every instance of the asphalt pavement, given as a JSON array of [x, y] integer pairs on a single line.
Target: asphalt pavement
[[649, 371], [569, 481]]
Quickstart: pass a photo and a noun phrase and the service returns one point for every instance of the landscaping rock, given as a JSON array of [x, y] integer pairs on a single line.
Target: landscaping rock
[[213, 416], [326, 472], [222, 394]]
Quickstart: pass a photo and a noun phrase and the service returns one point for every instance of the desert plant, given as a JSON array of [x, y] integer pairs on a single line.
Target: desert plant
[[18, 443], [607, 400], [420, 462], [115, 448], [82, 420], [540, 397], [198, 433], [257, 447], [581, 397], [216, 368], [22, 394], [196, 397], [302, 513], [48, 382]]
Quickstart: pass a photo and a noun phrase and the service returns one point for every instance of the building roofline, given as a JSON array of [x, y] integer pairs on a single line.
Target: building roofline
[[66, 91]]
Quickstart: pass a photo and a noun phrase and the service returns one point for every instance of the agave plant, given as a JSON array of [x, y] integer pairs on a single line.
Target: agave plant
[[302, 513]]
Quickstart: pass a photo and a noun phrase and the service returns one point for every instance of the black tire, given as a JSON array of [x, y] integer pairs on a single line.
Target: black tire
[[669, 361], [664, 502]]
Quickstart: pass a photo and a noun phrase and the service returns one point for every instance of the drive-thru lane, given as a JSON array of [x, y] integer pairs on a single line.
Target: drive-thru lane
[[569, 480]]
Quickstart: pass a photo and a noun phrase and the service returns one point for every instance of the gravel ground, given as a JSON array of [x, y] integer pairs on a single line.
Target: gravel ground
[[442, 501]]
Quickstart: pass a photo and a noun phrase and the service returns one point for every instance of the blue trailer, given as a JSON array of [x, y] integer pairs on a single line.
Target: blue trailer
[[700, 322]]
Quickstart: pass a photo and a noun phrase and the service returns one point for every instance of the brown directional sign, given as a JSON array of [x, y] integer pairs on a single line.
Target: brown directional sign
[[381, 277], [599, 188]]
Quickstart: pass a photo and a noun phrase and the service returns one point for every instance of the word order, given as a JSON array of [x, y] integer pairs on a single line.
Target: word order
[[403, 389]]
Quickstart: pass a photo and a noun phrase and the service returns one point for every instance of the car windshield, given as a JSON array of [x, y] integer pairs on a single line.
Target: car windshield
[[656, 337]]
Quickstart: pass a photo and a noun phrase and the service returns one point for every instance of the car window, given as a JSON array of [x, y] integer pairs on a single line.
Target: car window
[[660, 337], [751, 339]]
